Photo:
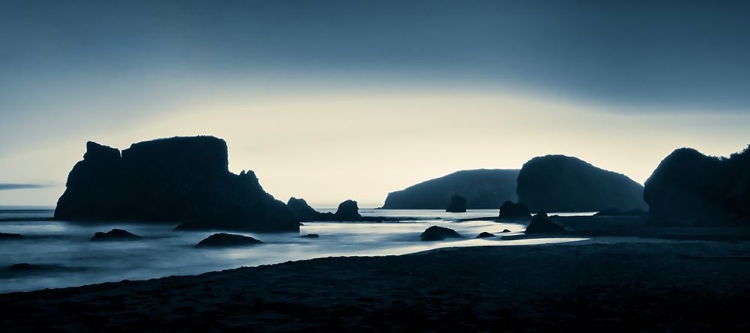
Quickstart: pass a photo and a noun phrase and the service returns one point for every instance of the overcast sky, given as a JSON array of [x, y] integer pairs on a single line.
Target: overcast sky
[[331, 100]]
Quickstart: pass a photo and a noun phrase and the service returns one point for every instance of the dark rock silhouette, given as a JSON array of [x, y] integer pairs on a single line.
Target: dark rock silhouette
[[310, 236], [505, 230], [483, 189], [541, 224], [225, 240], [458, 204], [304, 212], [348, 210], [691, 189], [485, 235], [435, 233], [182, 179], [511, 210], [557, 183], [114, 234], [10, 236]]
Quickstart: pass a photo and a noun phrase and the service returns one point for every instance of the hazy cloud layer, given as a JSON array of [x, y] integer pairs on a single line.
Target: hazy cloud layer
[[7, 186], [679, 55]]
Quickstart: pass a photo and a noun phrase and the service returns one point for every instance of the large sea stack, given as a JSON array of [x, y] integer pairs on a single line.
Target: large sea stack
[[691, 189], [483, 189], [557, 183], [181, 179]]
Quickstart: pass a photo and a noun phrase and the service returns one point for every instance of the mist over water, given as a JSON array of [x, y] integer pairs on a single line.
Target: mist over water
[[68, 257]]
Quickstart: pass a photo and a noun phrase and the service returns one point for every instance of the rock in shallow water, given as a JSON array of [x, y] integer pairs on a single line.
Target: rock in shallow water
[[434, 233], [458, 204], [114, 234], [541, 224], [485, 235], [224, 240], [511, 210], [348, 210]]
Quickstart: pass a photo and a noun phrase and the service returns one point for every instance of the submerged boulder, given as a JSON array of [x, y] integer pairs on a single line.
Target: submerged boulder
[[310, 236], [541, 224], [435, 233], [348, 210], [114, 234], [485, 235], [224, 240], [183, 179], [457, 205], [511, 210]]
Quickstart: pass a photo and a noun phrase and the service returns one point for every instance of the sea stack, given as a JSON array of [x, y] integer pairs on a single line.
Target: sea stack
[[692, 189], [457, 205], [557, 183], [182, 179]]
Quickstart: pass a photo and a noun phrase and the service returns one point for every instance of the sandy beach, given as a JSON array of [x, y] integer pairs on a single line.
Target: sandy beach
[[603, 285]]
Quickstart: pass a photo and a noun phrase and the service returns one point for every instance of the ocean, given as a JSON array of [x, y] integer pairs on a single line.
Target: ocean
[[67, 257]]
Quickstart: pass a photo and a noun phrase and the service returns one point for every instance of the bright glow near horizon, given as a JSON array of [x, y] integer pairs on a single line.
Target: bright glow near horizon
[[331, 145], [331, 101]]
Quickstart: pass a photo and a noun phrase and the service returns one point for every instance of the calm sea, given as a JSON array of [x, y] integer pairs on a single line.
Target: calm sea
[[69, 258]]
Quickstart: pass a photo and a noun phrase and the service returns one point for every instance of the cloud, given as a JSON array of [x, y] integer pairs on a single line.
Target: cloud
[[16, 186], [674, 55]]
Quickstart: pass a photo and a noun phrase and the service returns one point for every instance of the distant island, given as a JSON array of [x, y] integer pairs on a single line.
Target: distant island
[[692, 189], [558, 183], [181, 179], [483, 189]]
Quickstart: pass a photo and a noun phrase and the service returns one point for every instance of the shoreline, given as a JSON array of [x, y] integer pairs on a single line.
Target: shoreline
[[681, 285]]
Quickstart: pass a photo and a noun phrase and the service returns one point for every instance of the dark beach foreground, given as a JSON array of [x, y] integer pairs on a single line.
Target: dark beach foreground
[[627, 286]]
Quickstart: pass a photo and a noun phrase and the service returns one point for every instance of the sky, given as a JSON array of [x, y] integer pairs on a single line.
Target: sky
[[334, 100]]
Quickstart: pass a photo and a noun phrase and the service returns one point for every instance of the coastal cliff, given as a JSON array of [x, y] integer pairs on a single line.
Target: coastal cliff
[[558, 183], [181, 179], [692, 189], [483, 189]]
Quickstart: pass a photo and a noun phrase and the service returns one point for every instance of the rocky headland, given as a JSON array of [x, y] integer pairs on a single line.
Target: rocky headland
[[483, 189]]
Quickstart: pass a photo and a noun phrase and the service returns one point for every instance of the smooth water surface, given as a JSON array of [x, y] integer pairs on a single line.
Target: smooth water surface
[[68, 257]]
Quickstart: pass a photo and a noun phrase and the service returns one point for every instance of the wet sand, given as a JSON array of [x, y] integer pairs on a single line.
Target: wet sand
[[627, 286]]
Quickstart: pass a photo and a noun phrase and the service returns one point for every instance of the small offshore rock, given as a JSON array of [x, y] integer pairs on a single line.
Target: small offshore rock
[[224, 239], [458, 204], [434, 233], [541, 224], [114, 234], [511, 210]]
